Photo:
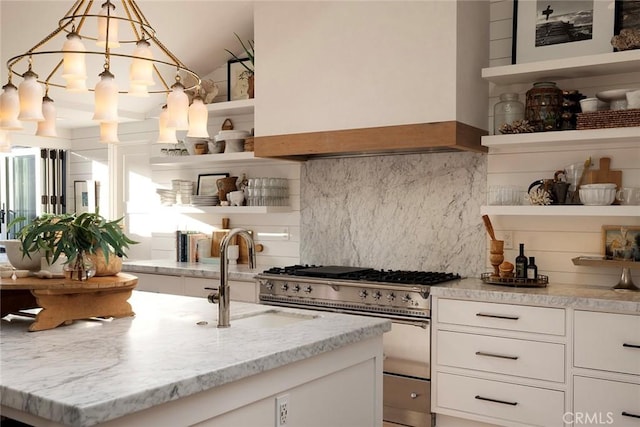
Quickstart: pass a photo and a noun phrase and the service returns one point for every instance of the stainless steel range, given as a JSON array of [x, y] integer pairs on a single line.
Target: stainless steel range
[[401, 296]]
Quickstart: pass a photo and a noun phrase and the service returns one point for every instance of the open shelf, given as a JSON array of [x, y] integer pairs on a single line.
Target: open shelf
[[230, 209], [557, 69], [240, 157], [562, 210], [240, 106]]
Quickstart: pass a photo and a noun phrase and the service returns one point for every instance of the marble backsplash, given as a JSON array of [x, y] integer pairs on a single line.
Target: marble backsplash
[[410, 212]]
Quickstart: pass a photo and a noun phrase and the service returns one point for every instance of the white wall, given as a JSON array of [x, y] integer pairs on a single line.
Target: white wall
[[554, 241]]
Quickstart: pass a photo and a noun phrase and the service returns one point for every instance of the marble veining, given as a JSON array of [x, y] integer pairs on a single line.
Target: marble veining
[[411, 212], [593, 298], [240, 273], [96, 370]]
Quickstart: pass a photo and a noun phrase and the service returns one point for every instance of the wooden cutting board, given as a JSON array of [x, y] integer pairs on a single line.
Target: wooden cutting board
[[217, 237], [604, 175]]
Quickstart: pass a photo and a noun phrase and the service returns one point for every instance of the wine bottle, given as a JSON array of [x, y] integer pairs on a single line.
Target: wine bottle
[[521, 264], [532, 269]]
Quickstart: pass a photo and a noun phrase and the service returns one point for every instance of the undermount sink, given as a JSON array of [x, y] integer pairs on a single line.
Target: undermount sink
[[272, 319]]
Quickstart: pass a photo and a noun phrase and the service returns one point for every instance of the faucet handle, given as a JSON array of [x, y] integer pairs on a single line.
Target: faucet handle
[[213, 297]]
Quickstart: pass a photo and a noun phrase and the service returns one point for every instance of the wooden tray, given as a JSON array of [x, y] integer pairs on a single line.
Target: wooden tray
[[63, 300], [490, 279]]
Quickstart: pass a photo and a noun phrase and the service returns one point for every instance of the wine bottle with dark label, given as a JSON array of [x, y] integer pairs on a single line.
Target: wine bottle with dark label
[[532, 269], [521, 264]]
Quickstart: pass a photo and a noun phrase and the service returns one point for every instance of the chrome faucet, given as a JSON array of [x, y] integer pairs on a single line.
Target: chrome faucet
[[222, 295]]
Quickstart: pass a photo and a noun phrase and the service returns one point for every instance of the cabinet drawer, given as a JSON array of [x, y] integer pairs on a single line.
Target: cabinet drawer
[[504, 401], [604, 402], [502, 316], [530, 359], [606, 341], [407, 393]]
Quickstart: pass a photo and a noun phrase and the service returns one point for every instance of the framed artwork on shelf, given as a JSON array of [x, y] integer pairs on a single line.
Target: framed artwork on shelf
[[85, 195], [237, 79], [627, 15], [207, 183], [545, 30], [621, 242]]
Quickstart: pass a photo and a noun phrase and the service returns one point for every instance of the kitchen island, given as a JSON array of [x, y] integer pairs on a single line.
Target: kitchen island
[[171, 365]]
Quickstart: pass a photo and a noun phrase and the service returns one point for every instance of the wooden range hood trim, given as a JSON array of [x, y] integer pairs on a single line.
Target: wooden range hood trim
[[400, 139]]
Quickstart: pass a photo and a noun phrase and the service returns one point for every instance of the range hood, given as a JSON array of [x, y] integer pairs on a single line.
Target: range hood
[[375, 141]]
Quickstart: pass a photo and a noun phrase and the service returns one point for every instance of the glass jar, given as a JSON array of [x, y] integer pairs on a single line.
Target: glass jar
[[508, 110], [544, 106]]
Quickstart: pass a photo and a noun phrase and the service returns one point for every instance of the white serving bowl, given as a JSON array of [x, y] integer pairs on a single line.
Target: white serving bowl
[[190, 145], [16, 258], [597, 194]]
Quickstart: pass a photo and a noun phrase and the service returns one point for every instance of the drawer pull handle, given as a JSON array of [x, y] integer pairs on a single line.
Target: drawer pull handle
[[504, 402], [498, 316], [629, 414], [631, 345], [413, 395], [501, 356]]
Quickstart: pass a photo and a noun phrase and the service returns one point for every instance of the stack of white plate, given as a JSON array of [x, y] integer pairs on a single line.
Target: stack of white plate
[[167, 197], [205, 200], [184, 190]]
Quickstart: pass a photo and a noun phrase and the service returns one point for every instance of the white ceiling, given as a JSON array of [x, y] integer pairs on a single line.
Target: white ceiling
[[196, 32]]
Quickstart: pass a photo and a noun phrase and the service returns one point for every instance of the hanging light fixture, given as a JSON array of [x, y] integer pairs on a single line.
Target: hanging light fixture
[[5, 143], [47, 127], [137, 50], [198, 117], [109, 132], [166, 134]]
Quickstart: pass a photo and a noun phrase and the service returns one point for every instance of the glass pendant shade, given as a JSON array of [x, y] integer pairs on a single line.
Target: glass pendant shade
[[30, 93], [73, 64], [77, 85], [106, 98], [112, 24], [166, 135], [10, 108], [198, 116], [141, 71], [47, 127], [109, 132], [178, 107], [139, 91]]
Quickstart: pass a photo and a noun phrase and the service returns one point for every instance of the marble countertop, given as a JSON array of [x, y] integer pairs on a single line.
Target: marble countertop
[[95, 370], [554, 295], [240, 272]]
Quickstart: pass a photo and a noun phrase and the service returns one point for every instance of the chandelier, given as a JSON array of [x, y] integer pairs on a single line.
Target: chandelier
[[99, 35]]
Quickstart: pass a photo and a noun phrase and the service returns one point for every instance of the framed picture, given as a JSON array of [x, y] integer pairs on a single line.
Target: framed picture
[[237, 79], [627, 15], [85, 194], [207, 183], [621, 242], [546, 29]]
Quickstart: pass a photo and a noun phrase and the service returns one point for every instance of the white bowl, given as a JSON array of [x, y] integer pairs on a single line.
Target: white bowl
[[601, 185], [17, 259], [588, 105], [597, 196], [22, 273]]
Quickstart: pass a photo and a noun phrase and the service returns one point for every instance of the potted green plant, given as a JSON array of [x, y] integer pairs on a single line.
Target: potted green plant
[[249, 70], [78, 237]]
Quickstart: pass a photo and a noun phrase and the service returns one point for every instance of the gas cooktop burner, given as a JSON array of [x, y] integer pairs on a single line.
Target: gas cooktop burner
[[429, 278]]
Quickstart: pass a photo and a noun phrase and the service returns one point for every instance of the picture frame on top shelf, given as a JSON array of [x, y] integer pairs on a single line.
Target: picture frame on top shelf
[[207, 183], [85, 195], [544, 30], [621, 242], [237, 79]]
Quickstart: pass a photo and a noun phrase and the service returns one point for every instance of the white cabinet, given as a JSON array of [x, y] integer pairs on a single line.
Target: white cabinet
[[499, 363], [606, 365]]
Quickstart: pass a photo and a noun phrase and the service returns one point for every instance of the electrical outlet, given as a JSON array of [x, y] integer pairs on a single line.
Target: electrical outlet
[[507, 236], [282, 410]]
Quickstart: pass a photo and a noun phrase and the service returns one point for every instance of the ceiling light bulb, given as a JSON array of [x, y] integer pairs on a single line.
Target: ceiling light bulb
[[106, 96], [9, 108], [198, 116], [47, 127], [141, 70], [178, 107], [73, 63], [30, 93], [109, 133], [105, 22], [166, 135]]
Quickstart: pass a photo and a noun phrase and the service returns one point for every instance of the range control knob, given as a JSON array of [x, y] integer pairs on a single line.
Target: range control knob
[[406, 298], [296, 288], [307, 289], [363, 294], [268, 285], [377, 295], [284, 287], [391, 296]]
